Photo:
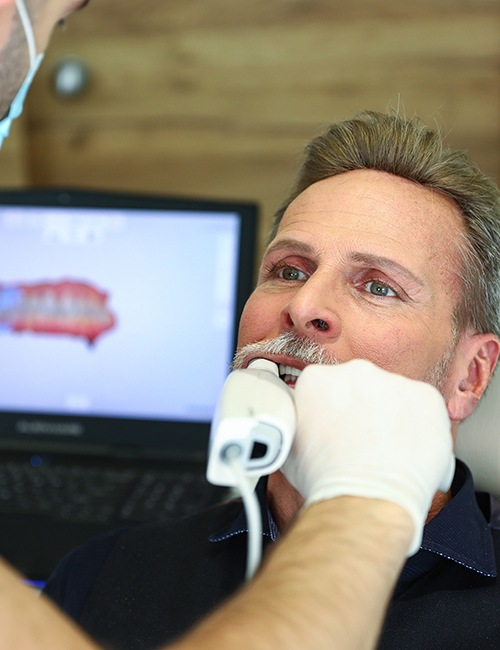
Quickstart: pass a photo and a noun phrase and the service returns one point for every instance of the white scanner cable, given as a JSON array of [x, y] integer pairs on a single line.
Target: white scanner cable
[[252, 509], [251, 435]]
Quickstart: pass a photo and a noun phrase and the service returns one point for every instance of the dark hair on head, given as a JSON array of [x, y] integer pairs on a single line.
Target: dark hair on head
[[409, 149]]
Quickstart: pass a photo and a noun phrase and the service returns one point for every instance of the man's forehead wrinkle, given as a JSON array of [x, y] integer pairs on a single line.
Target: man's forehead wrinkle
[[328, 214]]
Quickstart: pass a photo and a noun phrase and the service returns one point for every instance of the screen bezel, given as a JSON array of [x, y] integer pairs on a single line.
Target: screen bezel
[[122, 434]]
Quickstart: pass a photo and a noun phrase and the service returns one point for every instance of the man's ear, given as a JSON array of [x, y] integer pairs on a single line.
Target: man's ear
[[472, 368]]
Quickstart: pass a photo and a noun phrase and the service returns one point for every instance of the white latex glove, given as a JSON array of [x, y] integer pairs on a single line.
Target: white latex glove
[[363, 431]]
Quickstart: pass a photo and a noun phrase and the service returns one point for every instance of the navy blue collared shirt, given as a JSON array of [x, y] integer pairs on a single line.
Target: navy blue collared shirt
[[459, 532]]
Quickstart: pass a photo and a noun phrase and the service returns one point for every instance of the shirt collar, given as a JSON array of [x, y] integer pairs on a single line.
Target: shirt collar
[[238, 525], [458, 532]]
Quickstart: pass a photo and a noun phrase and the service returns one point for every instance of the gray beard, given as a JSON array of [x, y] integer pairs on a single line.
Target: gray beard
[[438, 375]]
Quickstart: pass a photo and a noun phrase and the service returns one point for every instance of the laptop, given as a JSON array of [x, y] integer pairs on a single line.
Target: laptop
[[118, 323]]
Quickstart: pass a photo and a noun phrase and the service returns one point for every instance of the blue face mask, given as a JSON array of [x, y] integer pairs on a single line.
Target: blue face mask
[[16, 107]]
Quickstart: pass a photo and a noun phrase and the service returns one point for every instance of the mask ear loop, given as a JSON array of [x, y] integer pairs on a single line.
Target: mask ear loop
[[28, 29]]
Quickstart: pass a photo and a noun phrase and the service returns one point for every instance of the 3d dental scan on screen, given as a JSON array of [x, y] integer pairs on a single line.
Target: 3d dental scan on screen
[[69, 304]]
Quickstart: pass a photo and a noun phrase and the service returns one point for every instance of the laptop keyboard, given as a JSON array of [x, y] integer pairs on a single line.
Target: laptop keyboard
[[88, 494]]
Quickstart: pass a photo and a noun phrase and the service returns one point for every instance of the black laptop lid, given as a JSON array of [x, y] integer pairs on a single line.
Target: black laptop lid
[[118, 319]]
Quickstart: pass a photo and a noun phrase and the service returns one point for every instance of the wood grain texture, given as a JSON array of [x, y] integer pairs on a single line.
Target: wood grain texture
[[14, 169], [217, 98]]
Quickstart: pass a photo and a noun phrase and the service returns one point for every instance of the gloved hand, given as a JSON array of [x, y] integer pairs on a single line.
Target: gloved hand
[[363, 431]]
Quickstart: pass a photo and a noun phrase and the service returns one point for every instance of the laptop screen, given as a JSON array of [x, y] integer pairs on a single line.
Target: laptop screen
[[118, 317]]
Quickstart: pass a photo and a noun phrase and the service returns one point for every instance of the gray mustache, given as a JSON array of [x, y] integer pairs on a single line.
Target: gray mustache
[[288, 344]]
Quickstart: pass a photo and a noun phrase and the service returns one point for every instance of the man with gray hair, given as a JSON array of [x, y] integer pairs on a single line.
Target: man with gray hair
[[388, 251]]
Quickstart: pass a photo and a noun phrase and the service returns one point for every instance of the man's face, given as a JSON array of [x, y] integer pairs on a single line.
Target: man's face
[[14, 57], [365, 264]]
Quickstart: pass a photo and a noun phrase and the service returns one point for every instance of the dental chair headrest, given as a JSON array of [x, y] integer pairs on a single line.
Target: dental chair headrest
[[478, 440]]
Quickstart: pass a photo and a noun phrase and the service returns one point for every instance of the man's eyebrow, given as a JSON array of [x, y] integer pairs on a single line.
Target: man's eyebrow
[[381, 262], [298, 246]]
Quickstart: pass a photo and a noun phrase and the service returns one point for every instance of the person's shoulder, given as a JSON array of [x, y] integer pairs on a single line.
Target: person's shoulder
[[183, 533], [74, 576], [160, 578]]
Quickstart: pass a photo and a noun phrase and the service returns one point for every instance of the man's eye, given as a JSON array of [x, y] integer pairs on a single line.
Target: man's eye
[[380, 289], [291, 274]]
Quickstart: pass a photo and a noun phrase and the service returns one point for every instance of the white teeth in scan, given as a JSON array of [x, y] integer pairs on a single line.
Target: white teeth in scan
[[66, 307], [289, 374]]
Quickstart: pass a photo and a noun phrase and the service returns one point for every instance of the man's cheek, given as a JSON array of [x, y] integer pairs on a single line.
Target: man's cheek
[[7, 11]]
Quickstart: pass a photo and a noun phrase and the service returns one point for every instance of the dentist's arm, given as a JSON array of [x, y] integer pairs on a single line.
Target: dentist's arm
[[32, 622], [325, 585], [371, 450]]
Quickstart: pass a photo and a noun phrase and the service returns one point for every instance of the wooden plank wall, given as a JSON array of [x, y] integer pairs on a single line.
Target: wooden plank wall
[[216, 98]]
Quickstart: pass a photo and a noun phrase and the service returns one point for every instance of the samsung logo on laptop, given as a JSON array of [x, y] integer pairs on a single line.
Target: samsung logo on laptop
[[45, 427]]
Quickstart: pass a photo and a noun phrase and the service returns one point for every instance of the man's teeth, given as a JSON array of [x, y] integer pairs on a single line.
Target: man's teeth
[[289, 374]]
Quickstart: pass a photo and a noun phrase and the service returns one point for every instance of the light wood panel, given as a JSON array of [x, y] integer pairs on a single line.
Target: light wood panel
[[14, 166], [217, 98]]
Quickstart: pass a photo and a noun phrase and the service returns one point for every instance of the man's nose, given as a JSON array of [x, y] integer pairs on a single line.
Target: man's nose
[[312, 311]]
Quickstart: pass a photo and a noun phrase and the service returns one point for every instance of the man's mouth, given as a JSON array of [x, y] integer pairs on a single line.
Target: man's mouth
[[289, 374]]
